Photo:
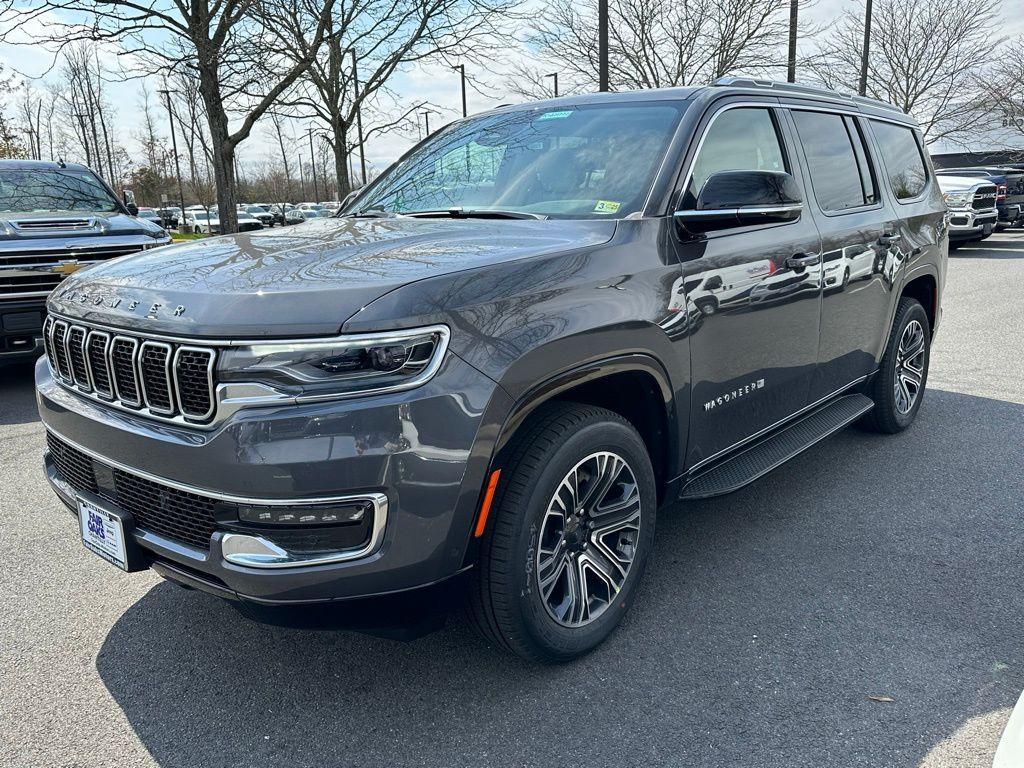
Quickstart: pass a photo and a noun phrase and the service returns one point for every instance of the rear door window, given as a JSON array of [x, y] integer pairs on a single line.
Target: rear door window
[[904, 163], [836, 160]]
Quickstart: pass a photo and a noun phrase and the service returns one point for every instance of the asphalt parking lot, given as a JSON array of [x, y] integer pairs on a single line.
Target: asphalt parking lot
[[867, 567]]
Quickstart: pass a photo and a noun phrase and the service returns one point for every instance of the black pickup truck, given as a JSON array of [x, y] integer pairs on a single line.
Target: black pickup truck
[[55, 218], [489, 372]]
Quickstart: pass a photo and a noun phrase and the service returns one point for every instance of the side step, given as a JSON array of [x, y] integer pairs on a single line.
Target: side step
[[764, 456]]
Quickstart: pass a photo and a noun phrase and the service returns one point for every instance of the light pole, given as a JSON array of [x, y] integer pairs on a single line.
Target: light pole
[[174, 147], [359, 114], [462, 75], [863, 85], [426, 120], [312, 161], [555, 76], [602, 44], [794, 10]]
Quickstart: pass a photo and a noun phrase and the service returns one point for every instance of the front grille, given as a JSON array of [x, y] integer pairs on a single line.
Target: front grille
[[156, 378], [42, 257], [984, 198], [157, 508], [35, 283]]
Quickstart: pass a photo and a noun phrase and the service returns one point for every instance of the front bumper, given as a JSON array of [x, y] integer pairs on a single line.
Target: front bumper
[[21, 329], [419, 450], [966, 223]]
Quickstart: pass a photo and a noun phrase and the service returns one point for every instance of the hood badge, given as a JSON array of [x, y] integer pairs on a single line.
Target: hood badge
[[151, 311]]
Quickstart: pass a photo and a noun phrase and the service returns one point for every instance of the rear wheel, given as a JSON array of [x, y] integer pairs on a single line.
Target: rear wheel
[[898, 387], [572, 525]]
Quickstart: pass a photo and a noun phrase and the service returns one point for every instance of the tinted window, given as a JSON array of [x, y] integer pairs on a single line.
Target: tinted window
[[584, 161], [903, 161], [738, 140], [833, 147]]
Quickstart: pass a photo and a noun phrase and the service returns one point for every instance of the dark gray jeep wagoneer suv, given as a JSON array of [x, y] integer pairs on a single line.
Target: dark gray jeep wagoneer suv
[[492, 369]]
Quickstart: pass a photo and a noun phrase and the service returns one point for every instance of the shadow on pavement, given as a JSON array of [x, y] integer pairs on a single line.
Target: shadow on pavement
[[991, 249], [868, 566], [17, 394]]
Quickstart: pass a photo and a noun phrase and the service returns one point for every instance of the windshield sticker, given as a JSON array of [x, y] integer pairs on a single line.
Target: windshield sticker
[[607, 206], [555, 115]]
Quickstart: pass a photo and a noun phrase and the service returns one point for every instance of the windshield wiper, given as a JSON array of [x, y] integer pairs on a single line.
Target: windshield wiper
[[370, 213], [474, 213]]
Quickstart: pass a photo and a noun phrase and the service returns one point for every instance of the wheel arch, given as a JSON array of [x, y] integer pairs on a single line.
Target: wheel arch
[[636, 386], [925, 288]]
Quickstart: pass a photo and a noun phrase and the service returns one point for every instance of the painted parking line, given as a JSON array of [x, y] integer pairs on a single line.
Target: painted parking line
[[1010, 752]]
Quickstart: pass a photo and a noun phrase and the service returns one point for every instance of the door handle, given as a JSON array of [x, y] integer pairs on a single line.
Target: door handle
[[801, 260], [889, 238]]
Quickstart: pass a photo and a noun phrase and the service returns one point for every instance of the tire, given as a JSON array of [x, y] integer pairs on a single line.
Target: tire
[[890, 414], [707, 308], [846, 277], [508, 604]]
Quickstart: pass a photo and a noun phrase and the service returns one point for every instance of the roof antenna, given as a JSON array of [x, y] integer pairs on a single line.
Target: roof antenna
[[60, 162]]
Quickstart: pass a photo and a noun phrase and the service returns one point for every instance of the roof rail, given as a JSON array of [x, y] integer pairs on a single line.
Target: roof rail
[[796, 88]]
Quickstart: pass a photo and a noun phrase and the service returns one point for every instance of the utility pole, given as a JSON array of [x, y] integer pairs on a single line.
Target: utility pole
[[794, 11], [602, 44], [312, 162], [555, 76], [863, 87], [359, 114], [177, 164], [462, 74]]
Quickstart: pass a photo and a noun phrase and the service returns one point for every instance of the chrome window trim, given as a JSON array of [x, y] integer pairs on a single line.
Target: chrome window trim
[[209, 381], [106, 396], [746, 209], [167, 378], [135, 370], [251, 550]]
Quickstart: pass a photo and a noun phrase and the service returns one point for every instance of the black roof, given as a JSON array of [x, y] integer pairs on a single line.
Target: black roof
[[728, 86]]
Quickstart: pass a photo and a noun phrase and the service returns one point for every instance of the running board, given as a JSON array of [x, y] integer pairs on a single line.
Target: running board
[[776, 449]]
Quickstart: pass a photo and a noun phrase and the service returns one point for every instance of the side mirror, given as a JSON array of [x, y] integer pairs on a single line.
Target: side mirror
[[133, 209], [348, 199], [743, 198]]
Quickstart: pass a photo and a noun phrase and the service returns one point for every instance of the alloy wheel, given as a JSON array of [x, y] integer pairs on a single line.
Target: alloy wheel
[[909, 367], [588, 538]]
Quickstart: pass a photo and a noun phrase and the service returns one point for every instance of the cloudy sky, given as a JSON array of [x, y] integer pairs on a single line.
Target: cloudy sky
[[437, 85]]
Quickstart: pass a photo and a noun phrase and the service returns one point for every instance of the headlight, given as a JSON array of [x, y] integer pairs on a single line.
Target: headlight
[[345, 366], [955, 199]]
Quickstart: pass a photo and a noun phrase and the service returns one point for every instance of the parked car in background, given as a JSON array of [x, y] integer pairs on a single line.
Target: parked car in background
[[972, 207], [169, 217], [204, 221], [279, 212], [311, 213], [1009, 190], [151, 215], [309, 206], [55, 218], [260, 213], [463, 387]]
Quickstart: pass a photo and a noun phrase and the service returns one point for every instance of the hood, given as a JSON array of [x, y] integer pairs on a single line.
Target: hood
[[306, 280], [18, 227], [960, 183]]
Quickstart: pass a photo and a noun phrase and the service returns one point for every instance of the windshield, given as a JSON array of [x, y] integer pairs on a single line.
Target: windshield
[[53, 189], [585, 161]]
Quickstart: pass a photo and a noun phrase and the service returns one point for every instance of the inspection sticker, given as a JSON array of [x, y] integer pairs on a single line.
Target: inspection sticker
[[607, 206]]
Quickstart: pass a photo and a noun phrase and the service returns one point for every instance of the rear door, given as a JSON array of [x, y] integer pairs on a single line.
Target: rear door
[[752, 310], [859, 234]]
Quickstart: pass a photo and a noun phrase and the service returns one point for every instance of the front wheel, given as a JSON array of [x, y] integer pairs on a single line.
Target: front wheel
[[898, 387], [571, 528]]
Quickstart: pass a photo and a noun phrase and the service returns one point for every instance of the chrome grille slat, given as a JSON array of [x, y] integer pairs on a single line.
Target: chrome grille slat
[[97, 344], [60, 351], [155, 377], [75, 340], [168, 380]]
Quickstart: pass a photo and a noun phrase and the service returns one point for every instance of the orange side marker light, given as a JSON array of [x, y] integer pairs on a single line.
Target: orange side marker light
[[485, 508]]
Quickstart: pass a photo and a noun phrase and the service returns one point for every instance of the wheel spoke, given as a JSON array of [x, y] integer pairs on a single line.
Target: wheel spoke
[[587, 539]]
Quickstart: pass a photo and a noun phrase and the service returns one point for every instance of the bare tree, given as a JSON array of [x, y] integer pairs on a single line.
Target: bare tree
[[925, 57], [653, 43], [222, 43], [1004, 87], [375, 39]]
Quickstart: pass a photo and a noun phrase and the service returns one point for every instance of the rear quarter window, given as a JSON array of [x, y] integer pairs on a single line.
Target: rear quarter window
[[904, 163]]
